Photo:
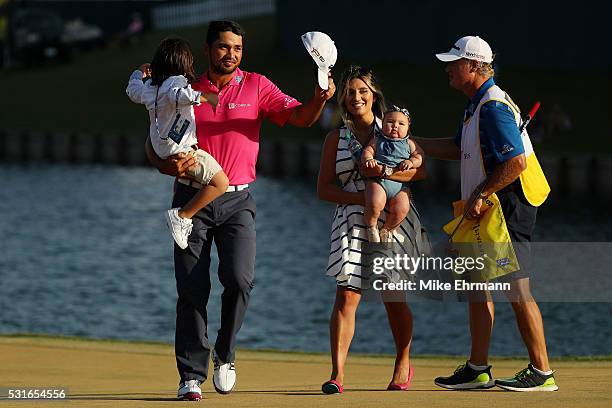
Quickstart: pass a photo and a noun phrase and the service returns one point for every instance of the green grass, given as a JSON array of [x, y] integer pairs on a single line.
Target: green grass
[[89, 93]]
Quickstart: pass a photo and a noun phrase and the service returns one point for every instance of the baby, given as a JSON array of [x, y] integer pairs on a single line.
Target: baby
[[391, 148]]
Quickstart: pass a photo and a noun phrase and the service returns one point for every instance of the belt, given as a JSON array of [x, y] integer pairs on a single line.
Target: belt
[[195, 184], [239, 187]]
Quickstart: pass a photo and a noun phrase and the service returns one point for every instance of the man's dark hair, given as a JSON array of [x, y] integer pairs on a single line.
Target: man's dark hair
[[219, 26], [172, 57]]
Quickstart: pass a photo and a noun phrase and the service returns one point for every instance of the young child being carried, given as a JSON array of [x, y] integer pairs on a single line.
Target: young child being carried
[[391, 148], [169, 99]]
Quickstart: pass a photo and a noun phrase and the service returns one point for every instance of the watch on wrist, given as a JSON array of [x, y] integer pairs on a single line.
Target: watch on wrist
[[387, 171], [483, 195]]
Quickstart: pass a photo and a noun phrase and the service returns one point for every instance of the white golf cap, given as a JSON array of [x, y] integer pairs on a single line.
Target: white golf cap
[[469, 47], [323, 51]]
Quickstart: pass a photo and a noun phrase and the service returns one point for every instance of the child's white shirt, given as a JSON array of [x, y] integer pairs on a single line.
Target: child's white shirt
[[174, 93]]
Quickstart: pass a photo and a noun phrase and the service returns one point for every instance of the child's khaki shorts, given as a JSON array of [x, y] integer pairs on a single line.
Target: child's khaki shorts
[[206, 169]]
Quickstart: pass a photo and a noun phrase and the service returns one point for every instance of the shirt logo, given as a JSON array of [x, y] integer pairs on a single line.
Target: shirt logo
[[238, 79], [506, 149], [238, 105], [288, 101]]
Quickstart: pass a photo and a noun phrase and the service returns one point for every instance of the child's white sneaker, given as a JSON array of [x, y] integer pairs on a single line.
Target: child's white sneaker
[[373, 235], [180, 228]]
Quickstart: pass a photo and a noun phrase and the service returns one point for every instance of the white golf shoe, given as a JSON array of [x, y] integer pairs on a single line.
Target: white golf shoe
[[189, 390], [224, 377]]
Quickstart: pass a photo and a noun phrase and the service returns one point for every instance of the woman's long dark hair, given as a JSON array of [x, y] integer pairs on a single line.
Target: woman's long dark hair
[[172, 57]]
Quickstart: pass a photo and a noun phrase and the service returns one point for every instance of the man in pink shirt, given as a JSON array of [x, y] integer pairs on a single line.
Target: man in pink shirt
[[230, 133]]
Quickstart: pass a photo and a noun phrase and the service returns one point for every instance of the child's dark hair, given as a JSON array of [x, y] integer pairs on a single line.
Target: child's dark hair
[[172, 57], [219, 26]]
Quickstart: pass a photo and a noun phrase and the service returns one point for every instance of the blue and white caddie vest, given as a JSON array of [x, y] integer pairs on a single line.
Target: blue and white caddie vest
[[533, 182]]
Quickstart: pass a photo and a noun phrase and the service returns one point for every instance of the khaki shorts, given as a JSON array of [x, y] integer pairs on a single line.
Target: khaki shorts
[[206, 168]]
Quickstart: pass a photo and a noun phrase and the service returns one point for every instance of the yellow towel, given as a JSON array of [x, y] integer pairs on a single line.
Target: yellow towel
[[486, 238]]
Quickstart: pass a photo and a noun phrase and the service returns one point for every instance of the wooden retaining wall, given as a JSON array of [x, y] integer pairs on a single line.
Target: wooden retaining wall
[[568, 174]]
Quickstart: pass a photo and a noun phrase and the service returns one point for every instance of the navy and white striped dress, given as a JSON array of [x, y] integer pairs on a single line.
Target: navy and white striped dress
[[348, 230]]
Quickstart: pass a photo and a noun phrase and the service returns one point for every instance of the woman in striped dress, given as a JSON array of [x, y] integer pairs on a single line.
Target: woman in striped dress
[[362, 104]]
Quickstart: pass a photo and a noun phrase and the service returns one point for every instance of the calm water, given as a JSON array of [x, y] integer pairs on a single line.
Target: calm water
[[85, 252]]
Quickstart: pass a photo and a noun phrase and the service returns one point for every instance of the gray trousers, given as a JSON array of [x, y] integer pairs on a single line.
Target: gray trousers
[[230, 221]]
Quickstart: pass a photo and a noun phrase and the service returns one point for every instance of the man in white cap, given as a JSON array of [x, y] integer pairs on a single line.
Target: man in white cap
[[230, 133], [496, 157]]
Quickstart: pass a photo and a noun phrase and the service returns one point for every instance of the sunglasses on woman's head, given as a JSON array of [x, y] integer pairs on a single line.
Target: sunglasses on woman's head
[[357, 71]]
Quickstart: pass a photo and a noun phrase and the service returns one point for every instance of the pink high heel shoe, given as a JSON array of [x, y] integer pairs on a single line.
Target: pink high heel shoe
[[402, 386]]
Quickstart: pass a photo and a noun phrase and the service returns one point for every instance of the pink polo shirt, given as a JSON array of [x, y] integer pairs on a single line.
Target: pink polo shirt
[[230, 133]]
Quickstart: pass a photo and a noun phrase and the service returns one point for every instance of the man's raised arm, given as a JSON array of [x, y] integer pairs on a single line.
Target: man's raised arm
[[306, 115]]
